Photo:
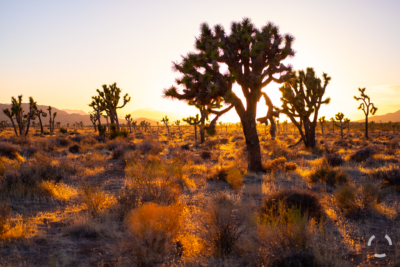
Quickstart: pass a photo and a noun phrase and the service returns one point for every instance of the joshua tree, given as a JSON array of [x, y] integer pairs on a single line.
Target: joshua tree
[[144, 125], [347, 120], [93, 119], [81, 124], [366, 106], [51, 120], [285, 123], [193, 121], [271, 115], [21, 118], [165, 120], [254, 57], [342, 122], [110, 96], [302, 97], [134, 124], [333, 123], [322, 122], [39, 114], [129, 120], [177, 122]]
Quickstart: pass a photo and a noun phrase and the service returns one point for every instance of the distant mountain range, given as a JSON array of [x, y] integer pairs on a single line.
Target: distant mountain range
[[393, 117], [155, 115], [69, 116]]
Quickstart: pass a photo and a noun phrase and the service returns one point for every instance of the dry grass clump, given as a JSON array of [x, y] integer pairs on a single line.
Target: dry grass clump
[[10, 150], [225, 224], [389, 177], [151, 147], [334, 160], [118, 153], [307, 203], [328, 175], [346, 200], [62, 142], [153, 233], [279, 164], [74, 149], [11, 229], [234, 178], [363, 154], [205, 154], [96, 200]]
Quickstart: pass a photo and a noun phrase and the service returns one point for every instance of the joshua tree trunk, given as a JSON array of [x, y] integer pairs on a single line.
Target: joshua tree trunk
[[322, 128], [41, 125], [15, 128], [366, 126], [252, 143]]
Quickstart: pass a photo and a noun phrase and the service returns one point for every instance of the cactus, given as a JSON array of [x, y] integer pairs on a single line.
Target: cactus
[[129, 120], [366, 106], [322, 122], [193, 121], [110, 97], [302, 97]]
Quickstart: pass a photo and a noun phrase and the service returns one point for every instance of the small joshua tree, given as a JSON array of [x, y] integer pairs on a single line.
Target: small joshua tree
[[110, 97], [134, 125], [366, 106], [347, 121], [93, 119], [271, 115], [177, 123], [129, 120], [21, 119], [39, 114], [302, 97], [322, 122], [193, 121], [51, 120], [340, 118], [333, 123], [165, 120]]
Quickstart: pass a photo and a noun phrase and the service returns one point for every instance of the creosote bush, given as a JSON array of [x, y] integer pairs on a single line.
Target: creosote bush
[[96, 200], [9, 150], [153, 234], [74, 149], [307, 203], [388, 177], [334, 160], [330, 176], [363, 154]]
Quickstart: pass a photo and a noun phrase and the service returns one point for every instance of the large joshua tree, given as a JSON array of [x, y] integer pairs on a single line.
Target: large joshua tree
[[253, 58], [366, 106], [110, 97], [302, 97]]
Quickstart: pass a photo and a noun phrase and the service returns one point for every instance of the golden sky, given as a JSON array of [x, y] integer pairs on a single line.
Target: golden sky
[[59, 52]]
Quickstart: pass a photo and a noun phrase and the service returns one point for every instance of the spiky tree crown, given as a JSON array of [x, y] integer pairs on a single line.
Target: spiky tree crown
[[302, 94], [366, 106], [322, 119], [111, 95], [339, 116]]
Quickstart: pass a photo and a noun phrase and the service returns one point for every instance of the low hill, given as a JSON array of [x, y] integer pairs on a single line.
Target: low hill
[[74, 111], [155, 115], [393, 117]]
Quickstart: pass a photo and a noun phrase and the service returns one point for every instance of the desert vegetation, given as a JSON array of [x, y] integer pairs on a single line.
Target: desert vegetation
[[244, 194]]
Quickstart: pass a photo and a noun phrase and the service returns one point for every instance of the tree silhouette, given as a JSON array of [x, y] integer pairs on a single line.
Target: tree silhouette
[[93, 119], [110, 97], [271, 115], [347, 121], [322, 122], [97, 106], [253, 57], [21, 119], [333, 123], [51, 120], [165, 120], [129, 120], [193, 121], [366, 106], [302, 97], [340, 118]]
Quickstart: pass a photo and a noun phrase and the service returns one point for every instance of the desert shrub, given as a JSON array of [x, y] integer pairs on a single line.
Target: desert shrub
[[63, 130], [388, 177], [118, 153], [96, 200], [333, 160], [369, 195], [153, 231], [224, 141], [290, 166], [114, 132], [346, 200], [234, 178], [296, 259], [63, 142], [328, 175], [362, 154], [237, 138], [78, 139], [274, 165], [74, 149], [148, 147], [302, 200], [394, 143], [100, 139], [224, 224], [29, 151], [9, 150], [205, 154], [5, 216], [211, 143]]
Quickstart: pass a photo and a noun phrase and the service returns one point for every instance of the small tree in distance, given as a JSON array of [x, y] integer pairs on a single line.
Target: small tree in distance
[[129, 120], [193, 121], [165, 120], [340, 118], [302, 97], [333, 123], [322, 122], [366, 106]]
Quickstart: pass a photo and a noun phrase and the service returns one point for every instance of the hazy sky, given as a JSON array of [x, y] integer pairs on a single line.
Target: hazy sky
[[59, 52]]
